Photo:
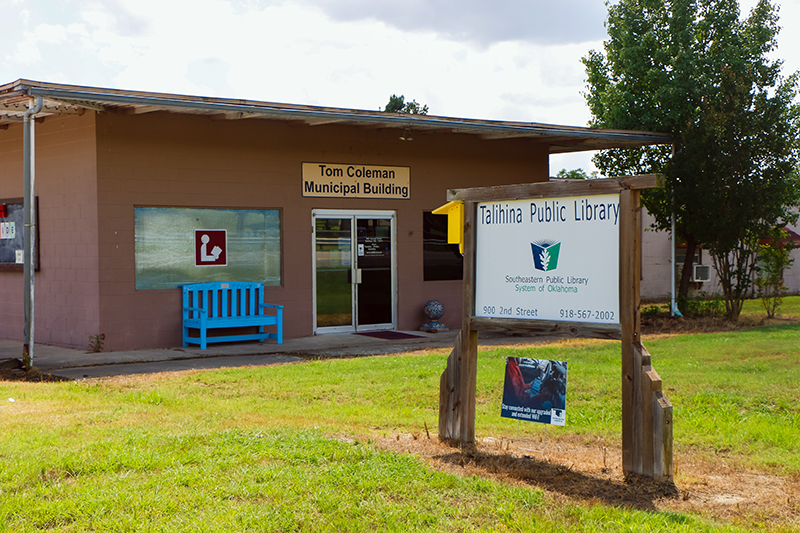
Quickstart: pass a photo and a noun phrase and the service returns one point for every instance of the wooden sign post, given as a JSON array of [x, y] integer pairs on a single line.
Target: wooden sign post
[[646, 411]]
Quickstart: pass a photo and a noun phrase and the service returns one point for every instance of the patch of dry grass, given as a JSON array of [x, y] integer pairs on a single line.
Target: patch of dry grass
[[586, 471]]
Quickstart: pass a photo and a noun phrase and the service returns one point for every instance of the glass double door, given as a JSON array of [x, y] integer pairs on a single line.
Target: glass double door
[[354, 271]]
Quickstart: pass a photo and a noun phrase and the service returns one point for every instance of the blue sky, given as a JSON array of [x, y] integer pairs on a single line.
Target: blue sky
[[506, 59]]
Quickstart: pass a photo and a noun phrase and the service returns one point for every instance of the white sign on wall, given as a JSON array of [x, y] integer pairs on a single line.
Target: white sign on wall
[[549, 259], [8, 230]]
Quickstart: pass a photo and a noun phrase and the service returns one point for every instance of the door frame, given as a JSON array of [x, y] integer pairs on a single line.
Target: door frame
[[354, 214]]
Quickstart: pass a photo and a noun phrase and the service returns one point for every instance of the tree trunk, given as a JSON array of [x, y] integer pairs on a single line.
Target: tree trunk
[[732, 282]]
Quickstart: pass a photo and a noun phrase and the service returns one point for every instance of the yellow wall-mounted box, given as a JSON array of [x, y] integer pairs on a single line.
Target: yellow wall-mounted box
[[455, 222]]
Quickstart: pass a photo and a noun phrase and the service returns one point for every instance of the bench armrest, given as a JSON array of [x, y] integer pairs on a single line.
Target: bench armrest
[[271, 305], [200, 309]]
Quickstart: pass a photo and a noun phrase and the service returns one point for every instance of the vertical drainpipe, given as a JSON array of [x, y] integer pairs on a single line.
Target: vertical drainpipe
[[673, 304], [29, 218]]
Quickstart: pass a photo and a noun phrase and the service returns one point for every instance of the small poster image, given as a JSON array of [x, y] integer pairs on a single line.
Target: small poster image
[[535, 390]]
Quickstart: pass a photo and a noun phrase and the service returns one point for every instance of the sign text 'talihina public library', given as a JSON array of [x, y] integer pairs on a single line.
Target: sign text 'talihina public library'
[[333, 180], [549, 259]]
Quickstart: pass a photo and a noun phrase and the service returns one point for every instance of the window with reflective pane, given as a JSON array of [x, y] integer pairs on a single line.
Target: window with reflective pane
[[333, 257], [165, 246], [374, 257], [441, 261]]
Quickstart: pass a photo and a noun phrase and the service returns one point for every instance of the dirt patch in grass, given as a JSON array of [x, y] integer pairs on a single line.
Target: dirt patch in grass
[[662, 323], [33, 375], [581, 471], [681, 325]]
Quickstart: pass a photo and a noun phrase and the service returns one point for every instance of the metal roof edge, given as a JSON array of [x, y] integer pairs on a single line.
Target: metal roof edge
[[72, 94], [423, 121]]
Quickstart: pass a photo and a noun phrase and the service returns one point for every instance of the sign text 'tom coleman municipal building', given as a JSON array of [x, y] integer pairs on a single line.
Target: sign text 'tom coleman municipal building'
[[333, 180]]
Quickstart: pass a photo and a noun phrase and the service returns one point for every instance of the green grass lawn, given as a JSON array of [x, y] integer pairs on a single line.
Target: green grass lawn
[[733, 391], [789, 307], [288, 448], [280, 480], [752, 310]]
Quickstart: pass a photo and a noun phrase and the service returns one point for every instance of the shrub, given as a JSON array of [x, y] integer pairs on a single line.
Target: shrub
[[703, 306], [773, 258]]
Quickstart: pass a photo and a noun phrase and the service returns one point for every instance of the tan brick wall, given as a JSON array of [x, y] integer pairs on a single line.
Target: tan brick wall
[[67, 291], [161, 159], [12, 318], [92, 170]]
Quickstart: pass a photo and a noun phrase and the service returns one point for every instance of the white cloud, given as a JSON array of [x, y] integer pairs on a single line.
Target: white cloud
[[78, 29], [51, 34], [479, 21], [28, 49], [126, 22], [294, 51], [507, 59]]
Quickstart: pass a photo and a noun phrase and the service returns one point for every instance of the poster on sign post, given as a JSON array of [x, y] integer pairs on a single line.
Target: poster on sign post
[[551, 259], [535, 390]]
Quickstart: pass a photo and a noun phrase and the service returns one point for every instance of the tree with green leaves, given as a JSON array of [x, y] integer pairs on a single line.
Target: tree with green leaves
[[693, 68], [397, 104], [576, 174]]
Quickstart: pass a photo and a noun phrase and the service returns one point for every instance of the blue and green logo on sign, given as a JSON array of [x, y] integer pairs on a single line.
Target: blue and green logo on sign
[[545, 255]]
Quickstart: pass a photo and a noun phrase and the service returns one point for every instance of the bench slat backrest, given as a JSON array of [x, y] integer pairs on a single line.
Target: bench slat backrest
[[226, 299]]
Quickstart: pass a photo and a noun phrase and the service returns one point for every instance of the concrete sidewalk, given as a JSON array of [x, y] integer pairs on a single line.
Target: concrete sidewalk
[[79, 364]]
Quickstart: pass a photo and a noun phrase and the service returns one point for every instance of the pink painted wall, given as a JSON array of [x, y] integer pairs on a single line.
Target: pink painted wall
[[175, 160], [12, 317], [67, 290], [94, 169]]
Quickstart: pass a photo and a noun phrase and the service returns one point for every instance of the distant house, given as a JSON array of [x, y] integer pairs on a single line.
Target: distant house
[[657, 269]]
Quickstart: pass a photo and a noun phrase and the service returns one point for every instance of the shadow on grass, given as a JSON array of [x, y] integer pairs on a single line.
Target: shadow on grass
[[637, 492]]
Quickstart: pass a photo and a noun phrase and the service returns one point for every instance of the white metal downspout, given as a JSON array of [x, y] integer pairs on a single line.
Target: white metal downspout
[[673, 304], [29, 218], [673, 307]]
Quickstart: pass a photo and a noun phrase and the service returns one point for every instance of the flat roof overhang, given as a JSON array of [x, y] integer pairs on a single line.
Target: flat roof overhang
[[74, 100]]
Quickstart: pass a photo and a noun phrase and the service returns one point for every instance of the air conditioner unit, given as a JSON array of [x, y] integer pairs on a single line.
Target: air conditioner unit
[[701, 273]]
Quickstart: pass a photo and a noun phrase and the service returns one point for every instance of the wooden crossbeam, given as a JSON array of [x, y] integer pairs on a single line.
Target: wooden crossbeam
[[322, 121], [81, 104], [567, 330], [47, 109], [504, 135], [558, 188], [14, 107], [141, 110], [234, 116]]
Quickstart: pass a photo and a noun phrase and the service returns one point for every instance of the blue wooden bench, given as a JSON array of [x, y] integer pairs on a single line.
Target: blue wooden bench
[[228, 304]]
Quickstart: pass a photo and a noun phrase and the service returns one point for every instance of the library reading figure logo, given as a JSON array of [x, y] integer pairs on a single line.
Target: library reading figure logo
[[545, 255]]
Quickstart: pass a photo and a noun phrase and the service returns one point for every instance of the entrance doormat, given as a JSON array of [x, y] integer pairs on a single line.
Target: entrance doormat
[[390, 335]]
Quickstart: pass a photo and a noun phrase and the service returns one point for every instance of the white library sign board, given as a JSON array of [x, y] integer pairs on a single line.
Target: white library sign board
[[548, 259]]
